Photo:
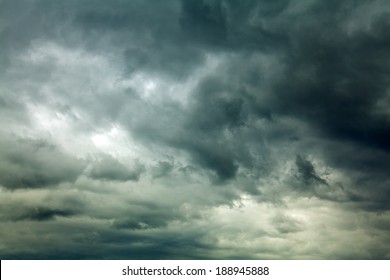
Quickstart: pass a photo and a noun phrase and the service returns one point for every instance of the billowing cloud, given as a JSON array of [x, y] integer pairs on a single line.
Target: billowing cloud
[[211, 129]]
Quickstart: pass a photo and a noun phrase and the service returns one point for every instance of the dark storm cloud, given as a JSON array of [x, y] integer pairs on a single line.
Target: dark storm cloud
[[28, 163], [167, 48], [228, 109], [204, 21], [108, 168], [145, 32], [286, 224], [114, 244], [162, 168], [306, 171], [367, 167], [42, 214], [216, 108], [148, 217], [336, 81]]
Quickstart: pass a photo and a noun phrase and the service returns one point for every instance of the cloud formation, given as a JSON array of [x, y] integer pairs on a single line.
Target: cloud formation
[[211, 129]]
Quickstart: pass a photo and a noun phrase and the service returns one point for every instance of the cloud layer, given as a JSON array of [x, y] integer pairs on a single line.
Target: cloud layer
[[210, 129]]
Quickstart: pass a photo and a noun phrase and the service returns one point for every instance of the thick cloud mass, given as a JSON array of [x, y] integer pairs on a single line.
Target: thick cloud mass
[[194, 129]]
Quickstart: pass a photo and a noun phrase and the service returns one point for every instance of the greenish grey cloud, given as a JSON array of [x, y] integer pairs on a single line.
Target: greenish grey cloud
[[211, 129]]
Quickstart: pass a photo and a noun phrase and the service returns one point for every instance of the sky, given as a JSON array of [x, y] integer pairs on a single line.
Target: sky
[[194, 129]]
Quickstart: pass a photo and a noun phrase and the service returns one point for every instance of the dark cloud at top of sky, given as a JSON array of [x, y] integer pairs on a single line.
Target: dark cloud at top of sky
[[336, 81], [140, 118], [204, 21]]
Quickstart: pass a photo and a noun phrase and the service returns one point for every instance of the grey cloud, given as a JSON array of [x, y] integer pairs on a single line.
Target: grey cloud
[[307, 172], [216, 108], [331, 84], [286, 225], [147, 35], [148, 218], [43, 214], [367, 172], [108, 168], [212, 157], [36, 164], [204, 21], [162, 168], [277, 109]]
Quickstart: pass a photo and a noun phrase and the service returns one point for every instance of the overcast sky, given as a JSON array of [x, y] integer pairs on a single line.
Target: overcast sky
[[195, 129]]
